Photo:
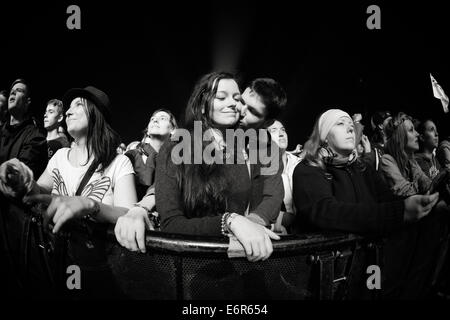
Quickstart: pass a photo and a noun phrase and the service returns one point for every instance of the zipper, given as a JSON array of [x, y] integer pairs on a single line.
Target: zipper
[[355, 191]]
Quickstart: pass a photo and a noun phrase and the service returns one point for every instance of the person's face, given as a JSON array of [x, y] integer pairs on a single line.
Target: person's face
[[52, 117], [223, 112], [279, 135], [121, 149], [159, 124], [76, 118], [412, 143], [430, 137], [252, 110], [341, 138], [18, 98]]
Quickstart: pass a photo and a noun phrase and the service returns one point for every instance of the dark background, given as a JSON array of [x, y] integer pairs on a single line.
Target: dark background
[[147, 55]]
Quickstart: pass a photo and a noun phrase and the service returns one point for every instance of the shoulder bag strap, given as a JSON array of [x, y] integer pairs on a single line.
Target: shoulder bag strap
[[85, 179]]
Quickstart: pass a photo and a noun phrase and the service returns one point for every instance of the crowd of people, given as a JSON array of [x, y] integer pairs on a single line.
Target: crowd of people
[[393, 184]]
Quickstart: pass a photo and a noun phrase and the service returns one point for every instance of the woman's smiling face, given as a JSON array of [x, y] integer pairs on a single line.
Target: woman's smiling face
[[76, 118], [223, 112]]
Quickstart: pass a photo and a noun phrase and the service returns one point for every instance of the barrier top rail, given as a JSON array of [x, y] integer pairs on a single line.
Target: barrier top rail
[[179, 243]]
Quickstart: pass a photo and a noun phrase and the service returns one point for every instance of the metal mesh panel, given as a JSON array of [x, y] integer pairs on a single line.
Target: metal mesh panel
[[144, 276], [275, 278]]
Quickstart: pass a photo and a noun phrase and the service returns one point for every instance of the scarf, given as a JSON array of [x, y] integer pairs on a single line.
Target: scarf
[[331, 158]]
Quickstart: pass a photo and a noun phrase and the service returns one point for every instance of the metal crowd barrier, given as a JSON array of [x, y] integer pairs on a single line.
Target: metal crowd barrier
[[309, 266]]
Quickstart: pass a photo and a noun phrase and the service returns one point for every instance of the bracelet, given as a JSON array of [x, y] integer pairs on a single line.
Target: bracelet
[[227, 218], [224, 227]]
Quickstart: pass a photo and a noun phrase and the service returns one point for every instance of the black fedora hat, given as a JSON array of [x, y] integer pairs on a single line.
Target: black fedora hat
[[97, 96]]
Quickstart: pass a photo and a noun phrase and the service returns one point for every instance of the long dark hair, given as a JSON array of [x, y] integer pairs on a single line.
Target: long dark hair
[[204, 186], [397, 139], [102, 140]]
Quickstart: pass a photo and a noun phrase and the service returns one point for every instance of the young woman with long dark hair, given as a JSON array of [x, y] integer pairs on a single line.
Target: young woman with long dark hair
[[416, 246], [398, 165], [106, 195], [212, 198]]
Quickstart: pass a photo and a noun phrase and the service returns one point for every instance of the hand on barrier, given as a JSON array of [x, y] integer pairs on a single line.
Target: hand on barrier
[[16, 178], [255, 238], [418, 206], [62, 209], [130, 229], [278, 227]]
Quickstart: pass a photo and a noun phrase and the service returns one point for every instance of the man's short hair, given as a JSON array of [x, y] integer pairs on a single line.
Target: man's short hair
[[4, 93], [58, 104], [23, 81], [272, 95]]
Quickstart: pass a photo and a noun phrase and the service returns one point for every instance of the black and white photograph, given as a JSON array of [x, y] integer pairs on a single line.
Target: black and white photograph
[[224, 155]]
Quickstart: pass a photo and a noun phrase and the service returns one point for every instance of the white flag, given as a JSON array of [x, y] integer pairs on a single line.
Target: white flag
[[439, 93]]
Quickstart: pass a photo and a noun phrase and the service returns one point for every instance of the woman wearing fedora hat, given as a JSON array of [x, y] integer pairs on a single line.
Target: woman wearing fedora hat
[[87, 184], [110, 189]]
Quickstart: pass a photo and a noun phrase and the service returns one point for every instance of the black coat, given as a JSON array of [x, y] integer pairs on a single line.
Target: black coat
[[350, 199], [26, 142]]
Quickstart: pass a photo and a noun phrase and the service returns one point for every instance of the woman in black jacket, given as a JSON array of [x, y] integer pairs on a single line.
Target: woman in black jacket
[[334, 191]]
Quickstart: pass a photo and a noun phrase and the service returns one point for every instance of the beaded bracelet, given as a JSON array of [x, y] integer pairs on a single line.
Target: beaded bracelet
[[227, 218], [224, 227]]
